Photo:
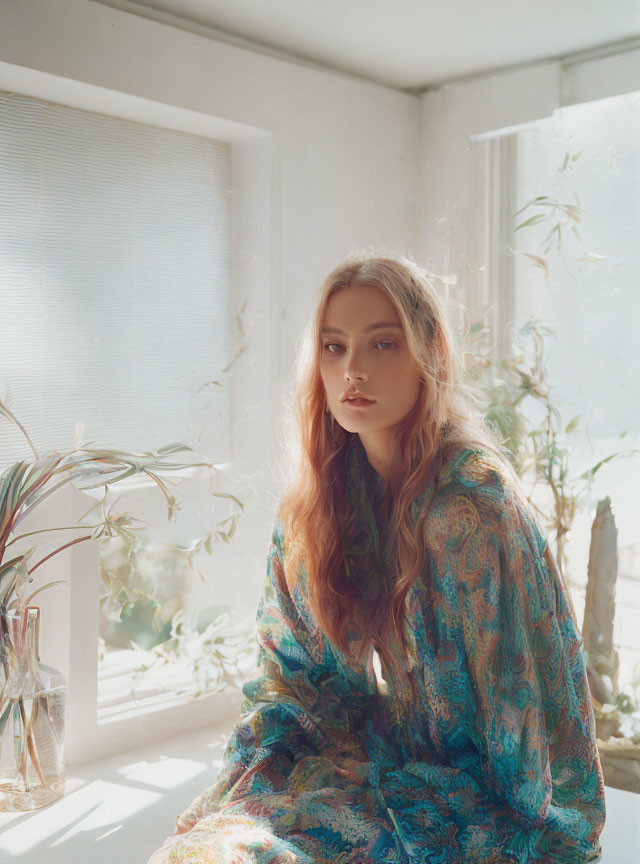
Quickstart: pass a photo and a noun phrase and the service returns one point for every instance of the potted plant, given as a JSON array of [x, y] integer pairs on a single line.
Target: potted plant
[[32, 695]]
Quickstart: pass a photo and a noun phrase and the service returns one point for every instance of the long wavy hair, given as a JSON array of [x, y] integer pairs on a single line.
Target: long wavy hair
[[314, 503]]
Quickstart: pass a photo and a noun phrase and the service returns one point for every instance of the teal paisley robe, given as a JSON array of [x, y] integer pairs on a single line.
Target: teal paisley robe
[[490, 757]]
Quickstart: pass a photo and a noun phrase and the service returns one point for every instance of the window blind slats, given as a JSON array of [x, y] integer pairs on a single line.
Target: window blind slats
[[115, 280]]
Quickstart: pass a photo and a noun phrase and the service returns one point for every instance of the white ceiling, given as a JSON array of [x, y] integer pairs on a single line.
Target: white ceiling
[[407, 44]]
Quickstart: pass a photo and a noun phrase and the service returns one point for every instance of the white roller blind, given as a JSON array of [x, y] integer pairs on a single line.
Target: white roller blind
[[115, 281]]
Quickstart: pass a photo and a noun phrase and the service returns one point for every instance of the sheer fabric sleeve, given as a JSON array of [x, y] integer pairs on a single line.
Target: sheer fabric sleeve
[[525, 659], [304, 700]]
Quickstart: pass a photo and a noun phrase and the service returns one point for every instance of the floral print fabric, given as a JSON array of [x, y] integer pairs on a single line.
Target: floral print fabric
[[494, 760]]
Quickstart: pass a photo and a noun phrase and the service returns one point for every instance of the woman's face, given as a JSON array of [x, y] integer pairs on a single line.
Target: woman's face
[[375, 361]]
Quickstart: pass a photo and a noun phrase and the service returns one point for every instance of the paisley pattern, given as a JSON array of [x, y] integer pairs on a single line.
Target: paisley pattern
[[494, 762]]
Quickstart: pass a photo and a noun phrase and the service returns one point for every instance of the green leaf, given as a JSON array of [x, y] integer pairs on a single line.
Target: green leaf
[[5, 717], [533, 220], [17, 734], [533, 201], [48, 585], [573, 423]]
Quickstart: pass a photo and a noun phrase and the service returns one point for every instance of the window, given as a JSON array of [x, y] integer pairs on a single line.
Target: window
[[583, 166], [116, 297], [115, 280]]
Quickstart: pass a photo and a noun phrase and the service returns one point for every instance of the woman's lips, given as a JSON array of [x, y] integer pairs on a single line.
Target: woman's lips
[[358, 403]]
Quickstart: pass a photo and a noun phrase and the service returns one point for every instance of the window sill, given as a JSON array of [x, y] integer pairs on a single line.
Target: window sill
[[122, 808], [163, 685]]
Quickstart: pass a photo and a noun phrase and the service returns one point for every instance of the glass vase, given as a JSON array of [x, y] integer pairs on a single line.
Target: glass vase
[[33, 700]]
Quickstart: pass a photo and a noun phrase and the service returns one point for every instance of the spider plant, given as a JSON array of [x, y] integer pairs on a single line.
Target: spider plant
[[23, 487]]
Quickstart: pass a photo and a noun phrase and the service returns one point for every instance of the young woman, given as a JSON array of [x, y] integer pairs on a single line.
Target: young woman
[[423, 695]]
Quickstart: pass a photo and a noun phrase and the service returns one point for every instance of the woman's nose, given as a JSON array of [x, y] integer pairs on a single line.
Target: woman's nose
[[354, 369], [355, 375]]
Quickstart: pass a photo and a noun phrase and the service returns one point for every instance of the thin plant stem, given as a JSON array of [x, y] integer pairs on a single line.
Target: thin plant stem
[[16, 510], [43, 531], [55, 552], [4, 408], [30, 747]]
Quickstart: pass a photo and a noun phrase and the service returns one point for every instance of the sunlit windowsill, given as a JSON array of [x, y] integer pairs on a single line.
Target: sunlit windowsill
[[120, 808], [164, 684], [124, 807]]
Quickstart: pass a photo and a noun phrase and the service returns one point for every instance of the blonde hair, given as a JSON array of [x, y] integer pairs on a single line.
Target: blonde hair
[[315, 495]]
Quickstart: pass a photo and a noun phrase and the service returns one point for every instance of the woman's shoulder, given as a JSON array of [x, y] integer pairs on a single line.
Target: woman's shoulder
[[470, 468], [473, 488], [478, 497]]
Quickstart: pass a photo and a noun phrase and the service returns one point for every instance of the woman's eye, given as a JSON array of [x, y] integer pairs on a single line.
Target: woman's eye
[[329, 345]]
